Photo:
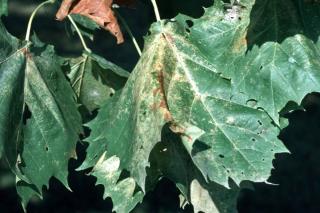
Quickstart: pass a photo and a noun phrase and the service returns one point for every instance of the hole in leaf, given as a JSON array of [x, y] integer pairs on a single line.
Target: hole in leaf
[[259, 122], [189, 23], [221, 156], [262, 159], [253, 140], [111, 94], [261, 67], [26, 115], [47, 148]]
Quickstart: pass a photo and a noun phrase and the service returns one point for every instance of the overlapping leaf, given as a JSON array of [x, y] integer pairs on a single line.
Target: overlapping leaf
[[32, 83], [271, 75], [51, 133], [12, 75], [122, 192], [169, 157], [95, 79], [97, 10], [175, 83], [276, 72], [140, 108]]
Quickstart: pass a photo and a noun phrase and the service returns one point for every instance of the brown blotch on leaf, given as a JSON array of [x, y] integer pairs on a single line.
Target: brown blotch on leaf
[[239, 44], [100, 11], [26, 53]]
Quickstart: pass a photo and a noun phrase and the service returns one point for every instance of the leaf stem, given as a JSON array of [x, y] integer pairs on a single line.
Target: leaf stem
[[156, 10], [126, 26], [27, 38], [79, 33]]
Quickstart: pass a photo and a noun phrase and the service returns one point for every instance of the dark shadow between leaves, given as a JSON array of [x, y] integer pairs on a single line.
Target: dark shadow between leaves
[[298, 173], [276, 20], [170, 160]]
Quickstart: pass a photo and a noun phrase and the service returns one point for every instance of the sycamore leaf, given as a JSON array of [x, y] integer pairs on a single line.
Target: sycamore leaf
[[52, 131], [141, 107], [12, 75], [122, 192], [99, 11], [279, 73], [287, 68], [174, 83], [95, 79], [169, 159], [270, 84], [32, 83]]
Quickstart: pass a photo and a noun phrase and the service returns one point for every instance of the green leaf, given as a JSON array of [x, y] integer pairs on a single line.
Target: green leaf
[[33, 83], [95, 80], [220, 34], [3, 7], [51, 134], [285, 67], [170, 159], [122, 192], [174, 83], [26, 192], [262, 74], [85, 25], [12, 75], [279, 73], [122, 127]]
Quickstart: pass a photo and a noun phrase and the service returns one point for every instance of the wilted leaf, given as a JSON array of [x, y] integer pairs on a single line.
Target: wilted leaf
[[99, 11]]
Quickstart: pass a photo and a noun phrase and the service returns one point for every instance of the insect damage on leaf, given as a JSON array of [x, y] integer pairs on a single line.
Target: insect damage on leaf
[[98, 10]]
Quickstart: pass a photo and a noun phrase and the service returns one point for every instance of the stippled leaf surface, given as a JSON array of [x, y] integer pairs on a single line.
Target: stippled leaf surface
[[122, 127], [285, 67], [51, 133], [95, 80], [174, 83], [33, 84]]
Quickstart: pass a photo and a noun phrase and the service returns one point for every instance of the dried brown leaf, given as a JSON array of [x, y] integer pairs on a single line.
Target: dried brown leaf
[[100, 11]]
